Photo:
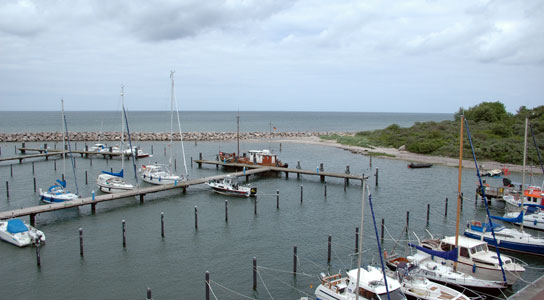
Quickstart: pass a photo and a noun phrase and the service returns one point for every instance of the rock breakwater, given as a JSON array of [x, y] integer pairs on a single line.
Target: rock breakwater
[[156, 136]]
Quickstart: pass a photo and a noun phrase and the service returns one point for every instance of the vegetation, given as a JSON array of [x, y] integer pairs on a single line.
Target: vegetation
[[497, 135]]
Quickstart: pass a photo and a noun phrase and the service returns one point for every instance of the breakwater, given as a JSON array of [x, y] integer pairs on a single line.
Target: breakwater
[[156, 136]]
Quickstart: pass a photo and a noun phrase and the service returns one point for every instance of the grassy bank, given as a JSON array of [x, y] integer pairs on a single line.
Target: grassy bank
[[497, 135]]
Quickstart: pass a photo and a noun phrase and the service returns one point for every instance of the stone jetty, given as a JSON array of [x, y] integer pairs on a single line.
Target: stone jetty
[[157, 136]]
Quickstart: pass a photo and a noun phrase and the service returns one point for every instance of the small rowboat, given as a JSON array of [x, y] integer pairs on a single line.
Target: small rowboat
[[419, 166]]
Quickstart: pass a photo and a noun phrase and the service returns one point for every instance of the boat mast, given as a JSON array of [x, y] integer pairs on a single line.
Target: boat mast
[[459, 189], [122, 128], [523, 176], [171, 119], [360, 248], [63, 140], [179, 127], [238, 135]]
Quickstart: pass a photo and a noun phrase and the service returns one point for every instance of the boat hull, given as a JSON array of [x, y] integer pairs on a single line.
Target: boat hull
[[511, 246]]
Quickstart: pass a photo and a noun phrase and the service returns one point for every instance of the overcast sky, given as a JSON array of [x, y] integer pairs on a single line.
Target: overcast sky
[[386, 56]]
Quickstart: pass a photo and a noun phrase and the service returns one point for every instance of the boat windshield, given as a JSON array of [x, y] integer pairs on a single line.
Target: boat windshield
[[478, 248], [393, 295]]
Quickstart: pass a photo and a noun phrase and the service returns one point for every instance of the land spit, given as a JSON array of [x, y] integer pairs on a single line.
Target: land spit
[[156, 136]]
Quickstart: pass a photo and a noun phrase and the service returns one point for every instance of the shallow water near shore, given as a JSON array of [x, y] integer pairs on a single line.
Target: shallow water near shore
[[174, 267]]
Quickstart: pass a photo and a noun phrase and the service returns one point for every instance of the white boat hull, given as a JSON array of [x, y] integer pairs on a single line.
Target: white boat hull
[[21, 239]]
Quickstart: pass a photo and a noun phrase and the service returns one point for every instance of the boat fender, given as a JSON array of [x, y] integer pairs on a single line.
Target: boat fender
[[384, 253], [151, 178], [477, 223], [159, 179], [474, 268], [535, 222], [144, 176]]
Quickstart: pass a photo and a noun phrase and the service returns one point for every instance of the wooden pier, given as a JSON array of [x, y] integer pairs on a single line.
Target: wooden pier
[[20, 158], [141, 192]]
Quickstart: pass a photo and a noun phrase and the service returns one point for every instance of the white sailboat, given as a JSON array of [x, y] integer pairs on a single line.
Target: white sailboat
[[110, 182], [161, 174], [58, 192]]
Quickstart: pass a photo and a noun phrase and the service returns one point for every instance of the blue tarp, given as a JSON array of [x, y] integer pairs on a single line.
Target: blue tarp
[[120, 174], [16, 226], [487, 227], [449, 255], [62, 183], [517, 219]]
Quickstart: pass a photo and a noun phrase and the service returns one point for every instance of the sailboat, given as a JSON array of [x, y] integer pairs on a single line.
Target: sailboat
[[161, 174], [58, 192], [110, 182], [360, 283]]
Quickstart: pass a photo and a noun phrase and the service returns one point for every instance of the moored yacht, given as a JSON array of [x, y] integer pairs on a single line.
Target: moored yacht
[[20, 234], [229, 187]]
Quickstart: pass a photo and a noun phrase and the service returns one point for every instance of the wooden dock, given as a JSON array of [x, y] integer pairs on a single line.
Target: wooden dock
[[20, 158], [141, 192]]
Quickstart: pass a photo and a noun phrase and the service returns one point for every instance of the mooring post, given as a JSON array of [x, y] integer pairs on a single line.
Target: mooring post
[[255, 206], [407, 220], [227, 211], [325, 190], [428, 211], [86, 150], [462, 201], [55, 165], [149, 294], [93, 208], [370, 161], [91, 161], [34, 184], [11, 170], [383, 230], [196, 217], [7, 188], [277, 199], [329, 250], [75, 163], [142, 198], [207, 285], [298, 167], [356, 239], [32, 168], [38, 259], [301, 192], [321, 169], [86, 181], [295, 260], [191, 162], [377, 174], [23, 151], [151, 149], [347, 173], [162, 224], [345, 184], [446, 208], [175, 164], [81, 242], [200, 160], [32, 219], [280, 147], [254, 273], [136, 151], [62, 176], [124, 235], [196, 142], [164, 150]]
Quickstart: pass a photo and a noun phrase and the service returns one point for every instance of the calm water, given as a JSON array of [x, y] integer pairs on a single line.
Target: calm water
[[174, 267], [151, 121]]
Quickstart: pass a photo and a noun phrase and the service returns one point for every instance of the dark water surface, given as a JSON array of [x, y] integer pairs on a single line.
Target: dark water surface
[[174, 267]]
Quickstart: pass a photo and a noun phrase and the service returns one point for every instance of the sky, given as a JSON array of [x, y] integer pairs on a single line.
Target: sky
[[310, 55]]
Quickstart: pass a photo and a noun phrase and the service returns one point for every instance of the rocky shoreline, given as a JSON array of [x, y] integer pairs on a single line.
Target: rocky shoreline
[[156, 136]]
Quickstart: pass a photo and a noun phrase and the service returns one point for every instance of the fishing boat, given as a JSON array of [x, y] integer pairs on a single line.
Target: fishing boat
[[110, 182], [20, 234], [370, 285], [419, 287], [474, 258], [507, 238], [58, 192], [256, 157], [532, 194], [228, 187], [161, 174], [419, 166], [422, 264]]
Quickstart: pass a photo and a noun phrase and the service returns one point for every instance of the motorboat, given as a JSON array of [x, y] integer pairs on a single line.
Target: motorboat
[[507, 238], [474, 258], [371, 286], [419, 287], [531, 195], [419, 166], [16, 232], [229, 187], [159, 174], [422, 264]]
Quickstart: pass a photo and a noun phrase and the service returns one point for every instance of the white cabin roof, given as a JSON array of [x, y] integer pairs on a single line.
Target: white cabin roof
[[371, 276], [463, 241]]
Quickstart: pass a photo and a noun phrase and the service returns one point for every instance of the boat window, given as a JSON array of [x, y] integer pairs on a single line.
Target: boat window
[[473, 250], [464, 252], [446, 247]]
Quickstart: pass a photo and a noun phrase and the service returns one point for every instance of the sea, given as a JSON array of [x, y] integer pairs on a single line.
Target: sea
[[174, 266]]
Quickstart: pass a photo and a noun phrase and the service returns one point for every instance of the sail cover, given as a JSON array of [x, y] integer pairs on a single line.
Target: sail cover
[[487, 227], [16, 226], [449, 255], [62, 183], [517, 219], [120, 174]]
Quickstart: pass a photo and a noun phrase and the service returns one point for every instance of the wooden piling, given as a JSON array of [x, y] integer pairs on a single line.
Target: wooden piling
[[196, 217], [345, 183], [462, 201], [32, 219], [301, 192], [280, 147], [227, 211], [254, 273], [38, 259], [164, 150], [446, 208], [86, 151], [151, 149], [428, 211], [91, 161], [142, 198], [295, 260], [347, 172], [277, 199], [255, 206], [23, 148], [200, 159], [207, 285], [175, 164], [356, 239], [93, 208], [162, 224], [321, 169], [383, 231], [329, 250], [325, 190], [370, 165], [377, 175], [407, 220], [55, 165], [33, 168], [191, 162], [149, 294], [81, 242], [86, 181], [7, 188], [11, 170], [34, 179], [124, 235]]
